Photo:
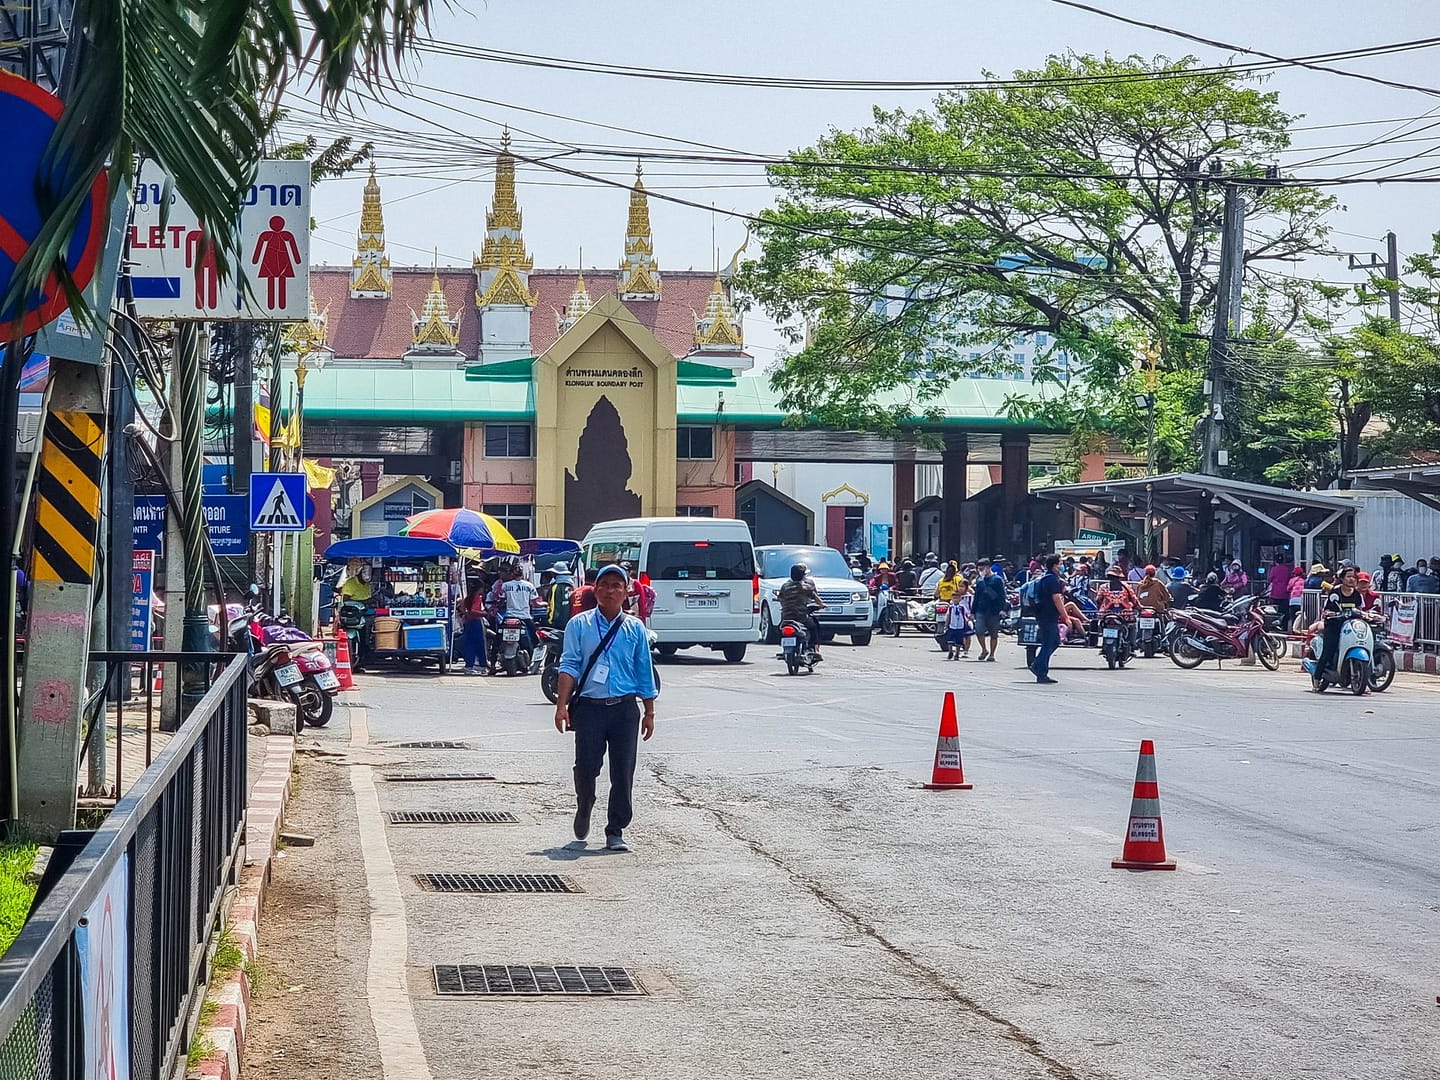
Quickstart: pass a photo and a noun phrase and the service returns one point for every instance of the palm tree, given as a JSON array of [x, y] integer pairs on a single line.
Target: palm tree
[[194, 85]]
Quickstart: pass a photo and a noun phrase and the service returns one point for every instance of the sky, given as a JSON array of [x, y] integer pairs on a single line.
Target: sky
[[439, 203]]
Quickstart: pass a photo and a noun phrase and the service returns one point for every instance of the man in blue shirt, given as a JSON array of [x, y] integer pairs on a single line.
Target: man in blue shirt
[[1049, 611], [610, 677]]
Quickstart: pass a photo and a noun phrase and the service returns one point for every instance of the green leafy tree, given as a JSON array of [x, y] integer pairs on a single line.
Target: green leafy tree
[[193, 83], [1069, 201]]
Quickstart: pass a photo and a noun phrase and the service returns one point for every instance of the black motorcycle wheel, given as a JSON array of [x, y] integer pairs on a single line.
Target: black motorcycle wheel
[[792, 663], [1184, 656], [889, 625], [293, 697], [317, 706], [1383, 674], [550, 684], [1360, 676], [510, 664], [1266, 654]]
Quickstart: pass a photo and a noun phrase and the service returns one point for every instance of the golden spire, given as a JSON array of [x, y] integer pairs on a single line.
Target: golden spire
[[504, 265], [579, 304], [639, 273], [719, 327], [370, 276], [434, 329]]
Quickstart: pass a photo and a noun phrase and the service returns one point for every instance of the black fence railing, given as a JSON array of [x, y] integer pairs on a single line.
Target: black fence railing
[[106, 970]]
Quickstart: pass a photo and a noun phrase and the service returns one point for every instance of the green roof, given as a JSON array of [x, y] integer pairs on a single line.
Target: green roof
[[421, 394]]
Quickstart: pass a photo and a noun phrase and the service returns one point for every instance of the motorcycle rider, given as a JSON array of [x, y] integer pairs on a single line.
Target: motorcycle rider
[[930, 575], [1210, 597], [557, 596], [795, 597], [1116, 596], [905, 578], [520, 596], [1342, 601], [1151, 592]]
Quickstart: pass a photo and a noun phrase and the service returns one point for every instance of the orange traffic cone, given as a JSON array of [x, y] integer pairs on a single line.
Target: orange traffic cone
[[1145, 839], [949, 772], [342, 662]]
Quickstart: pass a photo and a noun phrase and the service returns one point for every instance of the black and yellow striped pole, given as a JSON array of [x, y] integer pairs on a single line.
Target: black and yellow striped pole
[[62, 572]]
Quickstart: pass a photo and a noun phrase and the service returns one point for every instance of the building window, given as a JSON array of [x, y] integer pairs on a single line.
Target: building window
[[695, 511], [695, 443], [507, 440], [519, 518]]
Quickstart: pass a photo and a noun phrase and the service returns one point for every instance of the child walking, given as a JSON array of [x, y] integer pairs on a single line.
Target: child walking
[[960, 625]]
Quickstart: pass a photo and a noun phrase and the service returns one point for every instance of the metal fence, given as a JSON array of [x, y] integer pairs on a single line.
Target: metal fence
[[1426, 632], [107, 967]]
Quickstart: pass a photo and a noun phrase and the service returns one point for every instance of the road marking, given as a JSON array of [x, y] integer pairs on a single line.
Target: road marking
[[392, 1014], [826, 734]]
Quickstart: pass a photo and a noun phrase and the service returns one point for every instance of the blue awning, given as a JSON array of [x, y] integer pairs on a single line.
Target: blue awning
[[389, 547]]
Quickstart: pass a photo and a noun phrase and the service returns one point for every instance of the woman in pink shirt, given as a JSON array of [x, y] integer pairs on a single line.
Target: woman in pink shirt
[[1297, 592]]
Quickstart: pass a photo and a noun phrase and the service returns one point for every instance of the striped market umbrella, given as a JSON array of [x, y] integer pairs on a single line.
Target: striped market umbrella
[[463, 528]]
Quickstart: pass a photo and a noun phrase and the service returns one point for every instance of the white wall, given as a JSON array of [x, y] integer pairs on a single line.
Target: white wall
[[1387, 522]]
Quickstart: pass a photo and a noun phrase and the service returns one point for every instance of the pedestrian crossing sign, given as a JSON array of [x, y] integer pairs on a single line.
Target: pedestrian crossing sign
[[277, 502]]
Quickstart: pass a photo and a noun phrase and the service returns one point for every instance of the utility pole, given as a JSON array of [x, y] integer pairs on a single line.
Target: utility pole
[[1227, 320], [1392, 274]]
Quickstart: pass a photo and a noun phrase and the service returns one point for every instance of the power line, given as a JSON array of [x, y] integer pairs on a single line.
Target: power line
[[1297, 61]]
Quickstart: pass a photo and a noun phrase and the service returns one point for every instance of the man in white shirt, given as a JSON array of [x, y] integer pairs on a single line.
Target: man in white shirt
[[519, 596]]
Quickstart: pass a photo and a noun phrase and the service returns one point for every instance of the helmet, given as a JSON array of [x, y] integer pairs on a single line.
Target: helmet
[[798, 571]]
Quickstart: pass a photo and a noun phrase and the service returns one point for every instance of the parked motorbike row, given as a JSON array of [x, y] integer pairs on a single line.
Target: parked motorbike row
[[286, 664]]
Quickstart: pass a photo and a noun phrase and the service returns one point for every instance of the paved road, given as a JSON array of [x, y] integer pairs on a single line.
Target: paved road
[[798, 908]]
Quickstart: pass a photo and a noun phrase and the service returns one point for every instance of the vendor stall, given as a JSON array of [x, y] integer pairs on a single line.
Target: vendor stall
[[397, 597]]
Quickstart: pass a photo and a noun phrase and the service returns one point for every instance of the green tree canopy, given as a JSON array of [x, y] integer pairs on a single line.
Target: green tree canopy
[[1069, 200]]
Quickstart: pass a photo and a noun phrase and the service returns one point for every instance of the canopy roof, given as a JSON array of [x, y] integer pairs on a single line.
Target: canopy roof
[[1420, 482], [389, 547]]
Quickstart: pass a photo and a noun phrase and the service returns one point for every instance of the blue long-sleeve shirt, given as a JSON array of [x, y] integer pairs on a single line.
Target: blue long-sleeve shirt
[[627, 656]]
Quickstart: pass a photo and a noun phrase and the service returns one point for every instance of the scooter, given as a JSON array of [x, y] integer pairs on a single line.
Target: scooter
[[552, 641], [1354, 659], [273, 674], [796, 648], [1117, 640], [1238, 631], [1150, 631], [942, 623], [509, 648], [314, 693], [1382, 674]]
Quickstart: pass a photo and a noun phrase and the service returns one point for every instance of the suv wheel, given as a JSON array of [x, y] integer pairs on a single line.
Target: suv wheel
[[769, 632], [734, 653]]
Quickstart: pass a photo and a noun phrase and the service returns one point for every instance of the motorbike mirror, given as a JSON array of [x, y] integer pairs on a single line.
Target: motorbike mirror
[[254, 590]]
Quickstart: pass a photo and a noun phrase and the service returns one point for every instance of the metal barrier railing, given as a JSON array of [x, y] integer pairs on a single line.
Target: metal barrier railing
[[107, 967], [1425, 635]]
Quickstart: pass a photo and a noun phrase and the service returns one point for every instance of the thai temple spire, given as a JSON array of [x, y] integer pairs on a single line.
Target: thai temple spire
[[718, 329], [370, 274], [639, 273], [434, 329], [502, 272], [580, 303]]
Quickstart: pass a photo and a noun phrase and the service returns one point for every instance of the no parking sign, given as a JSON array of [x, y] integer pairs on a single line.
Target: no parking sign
[[28, 116]]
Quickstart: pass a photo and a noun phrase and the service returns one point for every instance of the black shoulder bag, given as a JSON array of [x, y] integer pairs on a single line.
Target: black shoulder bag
[[599, 649]]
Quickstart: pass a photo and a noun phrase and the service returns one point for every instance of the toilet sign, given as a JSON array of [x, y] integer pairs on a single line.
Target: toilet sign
[[277, 502], [174, 273]]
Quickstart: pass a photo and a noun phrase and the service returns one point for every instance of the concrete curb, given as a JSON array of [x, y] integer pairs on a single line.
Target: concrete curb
[[225, 1031], [1420, 663]]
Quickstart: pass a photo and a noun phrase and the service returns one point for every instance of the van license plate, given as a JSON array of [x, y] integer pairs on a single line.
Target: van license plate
[[288, 675], [703, 602]]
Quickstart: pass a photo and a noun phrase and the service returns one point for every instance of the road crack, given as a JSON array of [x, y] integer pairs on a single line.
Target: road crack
[[1009, 1029]]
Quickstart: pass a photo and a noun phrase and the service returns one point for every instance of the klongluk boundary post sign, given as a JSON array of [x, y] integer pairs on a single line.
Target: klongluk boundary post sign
[[277, 502], [28, 116], [173, 269]]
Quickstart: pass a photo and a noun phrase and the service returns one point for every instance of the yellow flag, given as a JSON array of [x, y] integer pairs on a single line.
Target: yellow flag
[[317, 476], [262, 422]]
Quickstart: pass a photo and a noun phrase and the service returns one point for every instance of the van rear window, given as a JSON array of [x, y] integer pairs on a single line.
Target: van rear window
[[704, 560]]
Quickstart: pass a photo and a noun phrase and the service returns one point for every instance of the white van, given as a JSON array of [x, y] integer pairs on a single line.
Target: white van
[[707, 591]]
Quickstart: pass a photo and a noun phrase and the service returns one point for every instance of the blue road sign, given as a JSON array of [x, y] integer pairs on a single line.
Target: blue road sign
[[150, 523], [28, 116], [277, 502], [227, 517], [142, 583]]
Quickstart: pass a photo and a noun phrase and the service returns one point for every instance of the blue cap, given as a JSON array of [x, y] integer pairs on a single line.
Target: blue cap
[[995, 568], [1178, 574], [612, 568]]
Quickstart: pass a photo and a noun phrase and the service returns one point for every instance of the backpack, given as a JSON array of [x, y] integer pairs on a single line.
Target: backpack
[[1027, 593]]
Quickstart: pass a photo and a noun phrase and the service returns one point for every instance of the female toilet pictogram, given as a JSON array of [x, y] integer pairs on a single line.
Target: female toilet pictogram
[[276, 255]]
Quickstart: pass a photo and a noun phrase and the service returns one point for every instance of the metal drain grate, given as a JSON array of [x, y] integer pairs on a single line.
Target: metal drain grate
[[428, 777], [429, 744], [459, 980], [496, 883], [451, 817]]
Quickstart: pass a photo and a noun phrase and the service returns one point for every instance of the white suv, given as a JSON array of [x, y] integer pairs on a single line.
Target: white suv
[[847, 607]]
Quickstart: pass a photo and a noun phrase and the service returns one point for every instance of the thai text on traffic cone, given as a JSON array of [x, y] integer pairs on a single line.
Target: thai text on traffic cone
[[342, 662], [1145, 838], [949, 772]]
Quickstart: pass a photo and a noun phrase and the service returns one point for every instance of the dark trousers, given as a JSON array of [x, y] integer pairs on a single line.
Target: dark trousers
[[598, 728], [1049, 642], [1330, 644]]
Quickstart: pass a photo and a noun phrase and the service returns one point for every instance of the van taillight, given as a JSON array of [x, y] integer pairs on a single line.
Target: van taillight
[[755, 587]]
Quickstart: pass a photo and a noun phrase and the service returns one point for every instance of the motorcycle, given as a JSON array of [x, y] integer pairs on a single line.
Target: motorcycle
[[942, 623], [553, 642], [509, 647], [1382, 673], [315, 691], [1117, 639], [796, 647], [272, 673], [1150, 627], [1198, 635], [354, 621], [1354, 659]]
